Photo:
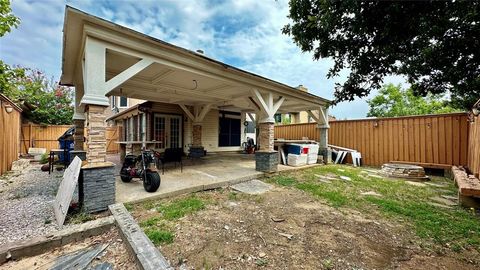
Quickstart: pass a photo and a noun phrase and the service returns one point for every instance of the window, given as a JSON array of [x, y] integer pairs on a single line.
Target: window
[[113, 101], [123, 102], [278, 118]]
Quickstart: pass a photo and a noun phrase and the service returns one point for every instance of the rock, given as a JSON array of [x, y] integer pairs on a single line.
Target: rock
[[278, 219], [45, 168], [20, 165], [253, 187], [262, 254], [443, 201], [346, 178], [226, 227], [417, 184], [371, 193]]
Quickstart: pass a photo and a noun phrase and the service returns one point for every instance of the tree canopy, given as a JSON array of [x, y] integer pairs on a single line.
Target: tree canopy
[[434, 44], [393, 101], [53, 104]]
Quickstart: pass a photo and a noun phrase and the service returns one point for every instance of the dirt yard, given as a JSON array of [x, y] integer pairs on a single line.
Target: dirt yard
[[115, 254], [291, 228]]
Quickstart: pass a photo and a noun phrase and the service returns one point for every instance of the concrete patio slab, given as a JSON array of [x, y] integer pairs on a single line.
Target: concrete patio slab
[[212, 171], [252, 187]]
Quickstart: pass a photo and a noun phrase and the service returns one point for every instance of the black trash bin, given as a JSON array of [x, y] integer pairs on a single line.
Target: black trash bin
[[66, 142]]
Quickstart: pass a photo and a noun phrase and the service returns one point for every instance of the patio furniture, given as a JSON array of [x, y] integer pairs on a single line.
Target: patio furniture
[[171, 155], [51, 158]]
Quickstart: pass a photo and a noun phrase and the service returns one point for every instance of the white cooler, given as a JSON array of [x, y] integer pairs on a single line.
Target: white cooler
[[297, 160]]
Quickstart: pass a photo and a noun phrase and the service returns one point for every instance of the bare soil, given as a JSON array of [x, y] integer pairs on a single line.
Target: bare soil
[[247, 232], [116, 253]]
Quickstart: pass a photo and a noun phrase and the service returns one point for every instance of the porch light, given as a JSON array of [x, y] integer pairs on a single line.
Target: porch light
[[8, 108]]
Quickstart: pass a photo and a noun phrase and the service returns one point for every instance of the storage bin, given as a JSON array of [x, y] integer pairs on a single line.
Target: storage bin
[[297, 160]]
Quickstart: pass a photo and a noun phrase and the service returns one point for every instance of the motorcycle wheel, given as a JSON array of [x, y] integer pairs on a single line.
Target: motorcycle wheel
[[125, 176], [151, 182]]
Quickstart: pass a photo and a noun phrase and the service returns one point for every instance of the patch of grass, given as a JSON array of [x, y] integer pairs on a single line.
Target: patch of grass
[[327, 264], [398, 200], [181, 207], [44, 158], [159, 236], [153, 221], [261, 262], [80, 217], [128, 206], [282, 180]]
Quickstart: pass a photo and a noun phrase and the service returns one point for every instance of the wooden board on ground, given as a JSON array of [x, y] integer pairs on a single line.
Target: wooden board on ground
[[66, 190]]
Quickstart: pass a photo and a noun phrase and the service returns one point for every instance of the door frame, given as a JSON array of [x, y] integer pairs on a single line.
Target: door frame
[[167, 116]]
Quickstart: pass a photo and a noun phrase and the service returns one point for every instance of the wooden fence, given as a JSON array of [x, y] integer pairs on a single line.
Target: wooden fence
[[9, 134], [434, 140], [46, 136], [474, 146]]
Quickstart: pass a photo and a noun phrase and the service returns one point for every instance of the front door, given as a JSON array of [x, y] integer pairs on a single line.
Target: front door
[[167, 129]]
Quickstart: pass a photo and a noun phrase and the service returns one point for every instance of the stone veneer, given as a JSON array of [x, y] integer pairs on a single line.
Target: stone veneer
[[266, 136], [96, 141], [97, 186], [197, 135], [79, 134], [266, 161]]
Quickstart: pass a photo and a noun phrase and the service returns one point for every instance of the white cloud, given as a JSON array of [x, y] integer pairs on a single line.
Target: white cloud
[[246, 34]]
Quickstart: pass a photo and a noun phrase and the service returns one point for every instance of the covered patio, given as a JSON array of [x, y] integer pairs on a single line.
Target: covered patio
[[213, 171], [196, 102]]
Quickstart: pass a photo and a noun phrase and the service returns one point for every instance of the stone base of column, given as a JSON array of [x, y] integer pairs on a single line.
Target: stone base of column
[[266, 161], [96, 187], [79, 134], [326, 153]]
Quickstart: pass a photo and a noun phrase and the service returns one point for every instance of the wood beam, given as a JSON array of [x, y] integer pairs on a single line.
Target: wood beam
[[187, 111], [127, 74]]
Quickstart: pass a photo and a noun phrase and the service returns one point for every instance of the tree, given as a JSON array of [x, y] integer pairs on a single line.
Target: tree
[[53, 104], [7, 19], [433, 43], [394, 101]]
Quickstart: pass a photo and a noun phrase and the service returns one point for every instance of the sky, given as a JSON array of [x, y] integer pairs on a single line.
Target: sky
[[243, 33]]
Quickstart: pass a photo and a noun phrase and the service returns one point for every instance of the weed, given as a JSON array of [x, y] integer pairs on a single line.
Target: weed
[[153, 221], [80, 217], [128, 206], [261, 262], [284, 180], [181, 207], [327, 264], [44, 158], [159, 236]]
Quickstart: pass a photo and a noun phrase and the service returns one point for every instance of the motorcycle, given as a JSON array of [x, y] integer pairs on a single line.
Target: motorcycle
[[142, 166]]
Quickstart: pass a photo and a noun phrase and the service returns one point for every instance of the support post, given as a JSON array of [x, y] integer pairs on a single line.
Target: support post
[[197, 135], [266, 158], [322, 125], [79, 134], [96, 140]]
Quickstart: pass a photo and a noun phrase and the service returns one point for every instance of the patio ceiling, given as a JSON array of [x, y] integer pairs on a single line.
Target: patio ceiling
[[139, 66]]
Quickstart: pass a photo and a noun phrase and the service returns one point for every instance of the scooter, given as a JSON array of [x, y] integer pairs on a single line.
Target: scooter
[[141, 166]]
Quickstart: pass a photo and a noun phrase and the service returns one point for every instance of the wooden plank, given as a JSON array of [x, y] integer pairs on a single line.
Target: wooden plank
[[424, 164], [441, 140], [456, 140], [449, 140], [435, 140], [411, 140], [464, 141], [65, 190], [428, 140], [422, 134]]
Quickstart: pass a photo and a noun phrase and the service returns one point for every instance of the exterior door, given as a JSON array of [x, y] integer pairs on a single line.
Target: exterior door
[[168, 130]]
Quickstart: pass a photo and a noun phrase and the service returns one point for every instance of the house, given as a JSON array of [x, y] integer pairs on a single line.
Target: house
[[192, 101], [119, 104], [299, 117]]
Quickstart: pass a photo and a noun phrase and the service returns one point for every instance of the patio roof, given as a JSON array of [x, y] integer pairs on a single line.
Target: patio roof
[[139, 66]]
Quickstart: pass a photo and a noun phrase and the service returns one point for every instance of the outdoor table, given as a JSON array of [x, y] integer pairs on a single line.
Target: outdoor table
[[123, 146], [51, 158]]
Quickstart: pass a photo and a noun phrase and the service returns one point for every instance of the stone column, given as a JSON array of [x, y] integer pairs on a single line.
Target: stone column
[[266, 136], [197, 135], [79, 134], [266, 159], [96, 141]]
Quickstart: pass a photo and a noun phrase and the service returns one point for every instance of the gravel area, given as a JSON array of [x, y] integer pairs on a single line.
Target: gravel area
[[26, 200]]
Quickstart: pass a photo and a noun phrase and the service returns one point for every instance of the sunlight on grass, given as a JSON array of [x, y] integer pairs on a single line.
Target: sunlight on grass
[[397, 200], [181, 207]]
